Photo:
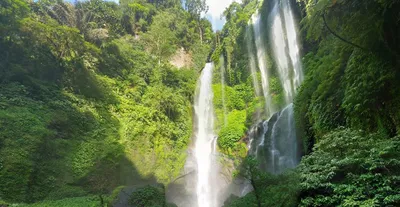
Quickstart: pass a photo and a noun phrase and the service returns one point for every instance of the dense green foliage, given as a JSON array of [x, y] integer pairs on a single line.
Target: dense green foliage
[[350, 168], [268, 190], [352, 74], [248, 200], [148, 197], [234, 119], [88, 98]]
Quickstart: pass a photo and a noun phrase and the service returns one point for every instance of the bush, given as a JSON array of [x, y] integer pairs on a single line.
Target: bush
[[148, 197], [233, 131], [350, 168]]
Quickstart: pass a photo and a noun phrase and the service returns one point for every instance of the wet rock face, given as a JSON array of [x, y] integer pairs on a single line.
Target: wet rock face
[[274, 142]]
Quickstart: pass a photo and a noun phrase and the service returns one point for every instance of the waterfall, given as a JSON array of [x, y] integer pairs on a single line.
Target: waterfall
[[283, 142], [262, 63], [285, 48], [205, 143], [273, 142], [294, 51], [252, 59], [222, 73], [203, 182]]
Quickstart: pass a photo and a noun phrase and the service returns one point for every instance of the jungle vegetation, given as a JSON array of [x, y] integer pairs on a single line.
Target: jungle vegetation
[[90, 101]]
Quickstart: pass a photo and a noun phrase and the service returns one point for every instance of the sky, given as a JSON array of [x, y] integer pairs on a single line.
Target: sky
[[216, 8]]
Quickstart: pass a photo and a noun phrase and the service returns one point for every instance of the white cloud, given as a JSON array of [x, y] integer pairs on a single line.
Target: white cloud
[[216, 8]]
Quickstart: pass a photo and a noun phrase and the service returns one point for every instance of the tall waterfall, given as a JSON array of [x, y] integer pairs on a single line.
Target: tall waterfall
[[205, 144], [286, 48], [274, 141], [252, 59], [294, 50], [262, 62], [203, 182]]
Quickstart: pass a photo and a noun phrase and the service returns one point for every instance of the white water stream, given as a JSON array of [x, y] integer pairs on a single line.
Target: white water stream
[[286, 48], [205, 144], [273, 142], [262, 63]]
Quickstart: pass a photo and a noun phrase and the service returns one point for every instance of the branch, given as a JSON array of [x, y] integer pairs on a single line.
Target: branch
[[182, 176], [339, 37]]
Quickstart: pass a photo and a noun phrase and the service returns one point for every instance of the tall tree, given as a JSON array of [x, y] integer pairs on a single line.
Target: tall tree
[[11, 11], [196, 8], [160, 38]]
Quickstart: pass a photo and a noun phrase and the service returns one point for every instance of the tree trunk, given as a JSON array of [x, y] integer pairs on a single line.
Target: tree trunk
[[201, 33]]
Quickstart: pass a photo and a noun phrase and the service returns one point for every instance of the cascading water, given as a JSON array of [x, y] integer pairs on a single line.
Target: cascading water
[[262, 62], [294, 50], [276, 147], [202, 183], [205, 144], [252, 60], [279, 49], [286, 48], [253, 66], [273, 142]]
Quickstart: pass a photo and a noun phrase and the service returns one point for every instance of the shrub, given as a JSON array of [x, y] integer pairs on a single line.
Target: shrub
[[350, 168], [148, 197]]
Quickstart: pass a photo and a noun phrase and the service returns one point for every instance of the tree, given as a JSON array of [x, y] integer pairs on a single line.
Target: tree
[[196, 8], [134, 13], [63, 12], [11, 11], [165, 3], [96, 14], [160, 38], [64, 42], [268, 190]]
